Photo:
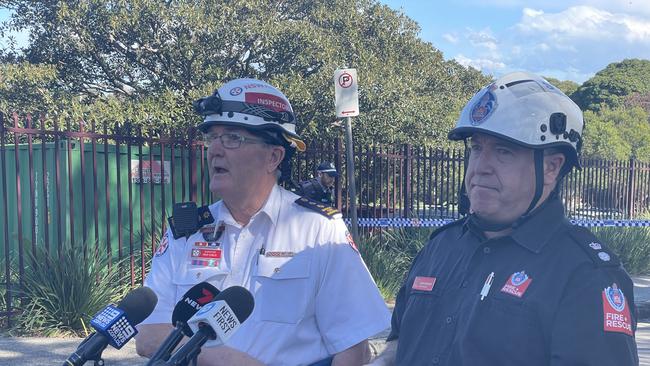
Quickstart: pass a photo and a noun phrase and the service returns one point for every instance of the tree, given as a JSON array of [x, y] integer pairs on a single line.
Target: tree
[[148, 54], [610, 86], [27, 86], [617, 134]]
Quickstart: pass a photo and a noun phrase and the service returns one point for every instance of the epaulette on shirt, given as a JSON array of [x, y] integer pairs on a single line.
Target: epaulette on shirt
[[186, 219], [325, 210], [598, 252], [446, 226]]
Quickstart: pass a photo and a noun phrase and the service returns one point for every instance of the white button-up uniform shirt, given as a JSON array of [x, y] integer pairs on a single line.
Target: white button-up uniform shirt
[[314, 296]]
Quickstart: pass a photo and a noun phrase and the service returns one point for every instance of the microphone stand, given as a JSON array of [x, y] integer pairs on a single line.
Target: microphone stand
[[96, 358]]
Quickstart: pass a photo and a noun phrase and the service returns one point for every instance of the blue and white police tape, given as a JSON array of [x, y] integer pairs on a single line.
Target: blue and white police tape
[[417, 222]]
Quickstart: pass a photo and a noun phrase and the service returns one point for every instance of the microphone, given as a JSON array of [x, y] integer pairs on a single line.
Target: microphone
[[216, 321], [193, 300], [115, 325]]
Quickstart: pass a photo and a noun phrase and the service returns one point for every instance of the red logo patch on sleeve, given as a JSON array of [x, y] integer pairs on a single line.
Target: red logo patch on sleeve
[[350, 240], [162, 248], [616, 313], [423, 283]]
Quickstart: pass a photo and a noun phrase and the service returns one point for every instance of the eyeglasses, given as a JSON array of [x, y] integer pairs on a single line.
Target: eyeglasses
[[229, 140]]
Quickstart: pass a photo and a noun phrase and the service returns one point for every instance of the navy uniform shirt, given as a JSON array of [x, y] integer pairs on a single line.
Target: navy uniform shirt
[[314, 190], [557, 297]]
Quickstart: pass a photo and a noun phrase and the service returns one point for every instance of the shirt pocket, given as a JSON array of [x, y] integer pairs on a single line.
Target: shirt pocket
[[192, 275], [283, 291], [421, 306], [505, 325]]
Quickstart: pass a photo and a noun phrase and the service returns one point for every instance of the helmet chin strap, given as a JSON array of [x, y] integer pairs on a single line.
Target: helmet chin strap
[[486, 225]]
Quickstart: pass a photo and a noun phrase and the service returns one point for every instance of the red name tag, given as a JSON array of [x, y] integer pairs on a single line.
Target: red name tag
[[424, 283], [206, 253]]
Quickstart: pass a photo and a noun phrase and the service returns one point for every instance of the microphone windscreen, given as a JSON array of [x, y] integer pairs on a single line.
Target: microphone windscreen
[[240, 301], [138, 304], [199, 295]]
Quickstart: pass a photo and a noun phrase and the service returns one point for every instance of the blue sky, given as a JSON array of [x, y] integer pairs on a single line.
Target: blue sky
[[568, 40]]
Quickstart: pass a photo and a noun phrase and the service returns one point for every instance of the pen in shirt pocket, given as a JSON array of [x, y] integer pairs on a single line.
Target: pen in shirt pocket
[[486, 286]]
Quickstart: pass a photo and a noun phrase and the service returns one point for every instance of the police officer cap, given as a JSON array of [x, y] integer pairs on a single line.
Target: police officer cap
[[327, 167]]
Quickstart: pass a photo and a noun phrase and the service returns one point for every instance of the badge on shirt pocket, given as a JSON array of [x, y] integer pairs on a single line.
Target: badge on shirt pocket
[[517, 284]]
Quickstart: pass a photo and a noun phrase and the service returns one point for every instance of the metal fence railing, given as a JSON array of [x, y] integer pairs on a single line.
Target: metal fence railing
[[112, 191]]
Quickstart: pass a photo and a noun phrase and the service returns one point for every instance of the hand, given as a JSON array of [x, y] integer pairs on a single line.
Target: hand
[[226, 356]]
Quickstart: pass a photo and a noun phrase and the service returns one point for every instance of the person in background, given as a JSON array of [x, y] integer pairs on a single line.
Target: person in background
[[315, 301], [320, 188], [514, 282]]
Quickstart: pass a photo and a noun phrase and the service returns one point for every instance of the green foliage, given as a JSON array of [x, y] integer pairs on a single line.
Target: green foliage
[[146, 60], [13, 281], [29, 87], [617, 134], [631, 244], [388, 254], [610, 86], [567, 87], [61, 290]]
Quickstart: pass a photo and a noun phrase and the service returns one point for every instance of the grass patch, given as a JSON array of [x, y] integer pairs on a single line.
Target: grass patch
[[58, 291], [388, 253]]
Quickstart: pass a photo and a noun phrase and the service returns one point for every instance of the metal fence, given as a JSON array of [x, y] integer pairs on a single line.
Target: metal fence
[[108, 191]]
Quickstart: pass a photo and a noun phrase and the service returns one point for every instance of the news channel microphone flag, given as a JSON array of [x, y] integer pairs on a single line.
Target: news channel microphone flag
[[215, 323], [114, 325], [346, 101], [191, 302]]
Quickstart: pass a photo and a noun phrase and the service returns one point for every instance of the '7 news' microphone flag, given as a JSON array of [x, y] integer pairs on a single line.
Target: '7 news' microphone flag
[[193, 300], [114, 325]]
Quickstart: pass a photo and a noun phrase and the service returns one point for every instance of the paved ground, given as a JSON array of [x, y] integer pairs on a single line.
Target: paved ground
[[48, 351]]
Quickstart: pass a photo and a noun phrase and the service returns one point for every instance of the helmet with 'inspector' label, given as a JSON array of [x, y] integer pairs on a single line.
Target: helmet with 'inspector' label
[[252, 104]]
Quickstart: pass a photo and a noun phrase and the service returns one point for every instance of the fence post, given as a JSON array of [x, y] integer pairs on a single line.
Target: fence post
[[630, 192], [407, 181], [193, 171]]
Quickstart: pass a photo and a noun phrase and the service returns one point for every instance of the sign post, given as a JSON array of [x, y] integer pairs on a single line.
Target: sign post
[[347, 105]]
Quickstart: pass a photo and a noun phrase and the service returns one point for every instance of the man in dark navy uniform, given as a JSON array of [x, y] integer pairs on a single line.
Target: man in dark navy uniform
[[514, 283], [320, 188]]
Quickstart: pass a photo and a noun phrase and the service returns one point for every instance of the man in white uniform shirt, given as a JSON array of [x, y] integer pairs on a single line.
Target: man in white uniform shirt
[[315, 301]]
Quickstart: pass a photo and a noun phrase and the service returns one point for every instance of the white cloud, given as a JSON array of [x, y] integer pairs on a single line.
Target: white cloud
[[484, 40], [576, 39], [584, 22], [639, 7], [451, 38], [570, 44], [482, 64]]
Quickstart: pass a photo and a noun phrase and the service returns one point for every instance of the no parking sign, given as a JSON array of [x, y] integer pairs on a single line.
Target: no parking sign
[[346, 93]]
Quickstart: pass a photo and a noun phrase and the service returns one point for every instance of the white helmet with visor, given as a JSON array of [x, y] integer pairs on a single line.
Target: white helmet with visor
[[527, 110], [251, 104]]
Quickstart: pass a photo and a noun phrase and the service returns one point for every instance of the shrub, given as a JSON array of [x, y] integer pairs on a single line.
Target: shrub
[[388, 253], [13, 283], [631, 244], [58, 291]]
